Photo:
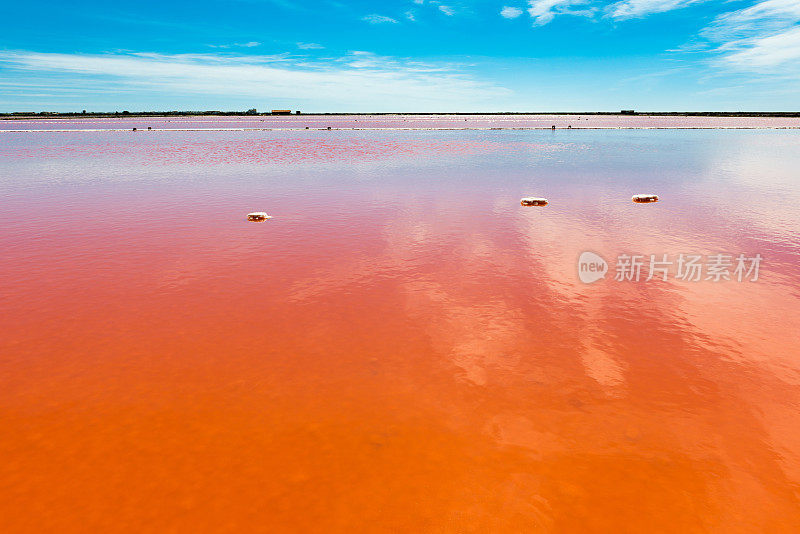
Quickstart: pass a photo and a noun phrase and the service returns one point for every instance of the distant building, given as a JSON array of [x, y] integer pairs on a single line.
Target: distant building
[[281, 111]]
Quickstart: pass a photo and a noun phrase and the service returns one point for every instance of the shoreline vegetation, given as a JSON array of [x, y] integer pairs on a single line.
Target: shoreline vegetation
[[253, 113]]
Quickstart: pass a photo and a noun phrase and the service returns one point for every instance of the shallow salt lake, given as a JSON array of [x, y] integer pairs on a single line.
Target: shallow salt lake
[[397, 122], [403, 346]]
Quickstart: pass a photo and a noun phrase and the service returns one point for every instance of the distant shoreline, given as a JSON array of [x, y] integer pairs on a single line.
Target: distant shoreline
[[140, 114]]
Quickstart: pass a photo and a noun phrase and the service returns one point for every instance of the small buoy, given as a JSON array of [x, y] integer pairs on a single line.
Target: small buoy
[[644, 199], [532, 201], [258, 216]]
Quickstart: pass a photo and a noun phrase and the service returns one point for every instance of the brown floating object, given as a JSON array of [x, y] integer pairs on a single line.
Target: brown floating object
[[532, 201], [258, 216], [644, 199]]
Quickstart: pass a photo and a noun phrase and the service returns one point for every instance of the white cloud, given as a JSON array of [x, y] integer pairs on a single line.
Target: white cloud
[[760, 18], [764, 37], [776, 50], [628, 9], [309, 46], [360, 80], [446, 9], [250, 44], [509, 12], [378, 19], [543, 11]]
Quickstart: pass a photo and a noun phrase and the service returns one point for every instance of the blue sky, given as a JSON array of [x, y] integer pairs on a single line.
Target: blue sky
[[409, 55]]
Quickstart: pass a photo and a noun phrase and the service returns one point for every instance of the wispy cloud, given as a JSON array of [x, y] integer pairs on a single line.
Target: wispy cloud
[[543, 11], [309, 46], [378, 19], [249, 44], [759, 19], [510, 12], [359, 79], [764, 37], [768, 52], [450, 9], [629, 9]]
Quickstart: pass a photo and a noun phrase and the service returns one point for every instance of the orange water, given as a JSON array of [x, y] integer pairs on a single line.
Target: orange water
[[403, 347]]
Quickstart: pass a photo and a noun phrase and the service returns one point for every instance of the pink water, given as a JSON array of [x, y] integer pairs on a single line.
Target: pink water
[[403, 347], [402, 122]]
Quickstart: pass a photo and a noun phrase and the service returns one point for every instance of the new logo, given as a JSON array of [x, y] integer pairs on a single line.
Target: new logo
[[591, 267]]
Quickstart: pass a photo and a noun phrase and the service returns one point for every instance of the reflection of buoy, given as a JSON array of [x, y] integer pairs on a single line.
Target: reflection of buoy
[[645, 199], [532, 201], [258, 216]]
